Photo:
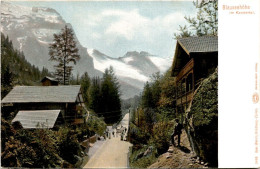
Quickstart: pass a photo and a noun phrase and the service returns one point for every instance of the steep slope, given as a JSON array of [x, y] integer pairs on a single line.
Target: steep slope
[[179, 157], [15, 69], [31, 31], [202, 120]]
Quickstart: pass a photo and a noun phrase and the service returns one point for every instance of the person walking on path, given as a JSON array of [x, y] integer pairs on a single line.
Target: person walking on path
[[176, 132]]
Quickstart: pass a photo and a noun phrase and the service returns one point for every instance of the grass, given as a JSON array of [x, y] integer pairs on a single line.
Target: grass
[[141, 162]]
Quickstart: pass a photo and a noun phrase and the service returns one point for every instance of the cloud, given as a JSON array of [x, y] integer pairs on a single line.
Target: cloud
[[125, 24], [116, 31], [131, 24]]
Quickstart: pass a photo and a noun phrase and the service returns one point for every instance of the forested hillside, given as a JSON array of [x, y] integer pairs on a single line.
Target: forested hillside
[[15, 69], [39, 148], [153, 121]]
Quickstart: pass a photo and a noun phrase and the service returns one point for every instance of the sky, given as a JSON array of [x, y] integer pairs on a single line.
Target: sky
[[116, 27]]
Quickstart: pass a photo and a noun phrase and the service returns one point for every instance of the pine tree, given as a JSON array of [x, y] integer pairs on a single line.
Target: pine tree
[[6, 81], [205, 23], [110, 97], [64, 51], [147, 96], [94, 95], [85, 84]]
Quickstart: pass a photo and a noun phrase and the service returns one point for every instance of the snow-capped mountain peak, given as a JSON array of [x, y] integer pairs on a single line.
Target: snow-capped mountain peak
[[133, 65], [31, 31]]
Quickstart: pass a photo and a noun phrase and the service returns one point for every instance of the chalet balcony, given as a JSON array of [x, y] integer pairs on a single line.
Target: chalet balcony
[[78, 121], [75, 117], [184, 98], [185, 70]]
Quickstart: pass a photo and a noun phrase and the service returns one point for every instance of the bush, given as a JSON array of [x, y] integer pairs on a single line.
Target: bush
[[68, 145], [43, 142], [137, 160], [28, 148], [17, 154], [95, 125], [39, 147], [137, 135], [161, 135], [203, 120]]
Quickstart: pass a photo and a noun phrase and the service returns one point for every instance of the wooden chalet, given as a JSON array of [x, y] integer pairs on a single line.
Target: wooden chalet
[[31, 100], [195, 58], [49, 81]]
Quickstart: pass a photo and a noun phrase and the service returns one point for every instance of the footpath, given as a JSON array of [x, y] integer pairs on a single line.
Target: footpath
[[113, 153]]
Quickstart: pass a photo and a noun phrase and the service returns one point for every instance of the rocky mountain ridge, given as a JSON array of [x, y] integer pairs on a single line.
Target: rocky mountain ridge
[[31, 31]]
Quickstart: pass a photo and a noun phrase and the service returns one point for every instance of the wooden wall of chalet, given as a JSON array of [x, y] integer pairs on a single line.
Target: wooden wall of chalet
[[204, 65], [48, 82], [68, 110], [195, 68]]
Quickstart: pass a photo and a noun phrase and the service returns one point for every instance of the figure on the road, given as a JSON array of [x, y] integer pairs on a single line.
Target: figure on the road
[[122, 135], [107, 132], [176, 132], [105, 135]]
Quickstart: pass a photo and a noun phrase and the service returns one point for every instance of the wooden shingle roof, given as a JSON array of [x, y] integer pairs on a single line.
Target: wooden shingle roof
[[50, 78], [199, 44], [37, 118], [43, 94]]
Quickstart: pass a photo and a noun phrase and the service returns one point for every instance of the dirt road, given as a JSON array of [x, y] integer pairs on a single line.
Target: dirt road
[[112, 154]]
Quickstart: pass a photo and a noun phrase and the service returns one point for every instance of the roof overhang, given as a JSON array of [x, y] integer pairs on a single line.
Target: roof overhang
[[42, 94], [37, 119], [193, 45]]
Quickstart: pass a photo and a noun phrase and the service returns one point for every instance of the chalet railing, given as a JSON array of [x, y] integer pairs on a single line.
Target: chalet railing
[[184, 98], [185, 70], [79, 108], [74, 118], [79, 121]]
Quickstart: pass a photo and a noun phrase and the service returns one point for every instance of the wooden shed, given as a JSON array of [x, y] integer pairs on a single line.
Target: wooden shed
[[67, 99], [49, 81], [195, 58]]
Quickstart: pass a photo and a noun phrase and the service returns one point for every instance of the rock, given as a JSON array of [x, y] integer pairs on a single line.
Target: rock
[[190, 164], [82, 153], [202, 162], [194, 156], [148, 151], [77, 157], [170, 150], [140, 155], [168, 156], [206, 164]]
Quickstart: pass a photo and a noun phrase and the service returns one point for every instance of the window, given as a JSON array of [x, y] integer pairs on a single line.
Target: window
[[189, 84], [183, 86]]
